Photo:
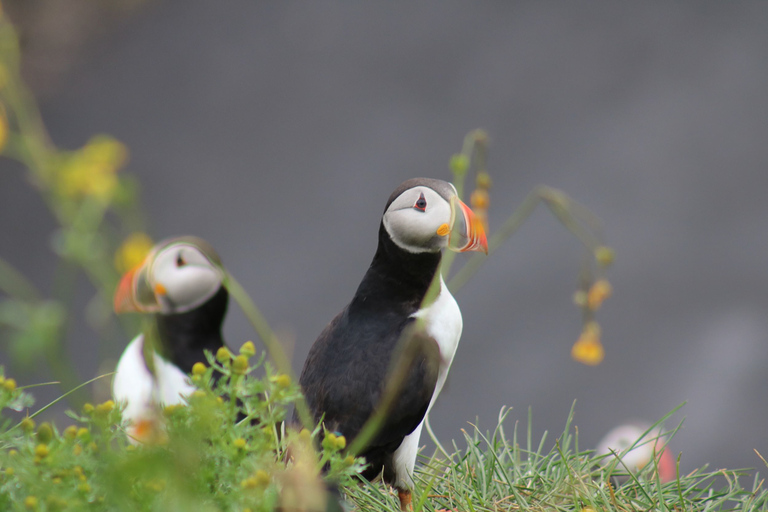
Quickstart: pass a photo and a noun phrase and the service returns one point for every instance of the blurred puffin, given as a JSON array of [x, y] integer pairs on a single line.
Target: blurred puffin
[[180, 282], [347, 368], [621, 438]]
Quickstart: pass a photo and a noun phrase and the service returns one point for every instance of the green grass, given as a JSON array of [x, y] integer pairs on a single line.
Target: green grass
[[203, 459], [494, 471]]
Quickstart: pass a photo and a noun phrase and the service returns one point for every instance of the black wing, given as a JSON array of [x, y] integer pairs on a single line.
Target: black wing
[[350, 366]]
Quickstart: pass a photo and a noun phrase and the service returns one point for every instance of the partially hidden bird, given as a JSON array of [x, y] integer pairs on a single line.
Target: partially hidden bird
[[636, 445], [347, 369], [180, 283]]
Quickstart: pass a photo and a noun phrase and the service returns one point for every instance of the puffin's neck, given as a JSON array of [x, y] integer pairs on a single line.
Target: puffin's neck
[[184, 336], [396, 276]]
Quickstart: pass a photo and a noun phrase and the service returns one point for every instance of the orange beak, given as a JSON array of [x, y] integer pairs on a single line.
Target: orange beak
[[468, 233], [124, 296]]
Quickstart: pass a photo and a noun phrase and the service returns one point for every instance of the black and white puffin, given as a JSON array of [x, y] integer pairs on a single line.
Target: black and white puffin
[[180, 282], [347, 367]]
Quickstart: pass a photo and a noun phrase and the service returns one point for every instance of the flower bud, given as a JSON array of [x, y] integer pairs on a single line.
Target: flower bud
[[459, 164], [44, 433], [282, 381], [240, 364], [329, 442], [88, 408], [223, 355], [239, 443], [30, 502], [9, 385], [262, 477], [198, 369], [479, 200], [27, 425], [41, 451], [483, 180], [588, 349], [248, 350], [103, 409], [599, 291], [70, 432], [604, 256]]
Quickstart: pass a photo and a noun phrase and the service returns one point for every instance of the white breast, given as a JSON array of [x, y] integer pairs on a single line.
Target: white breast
[[140, 391], [444, 324]]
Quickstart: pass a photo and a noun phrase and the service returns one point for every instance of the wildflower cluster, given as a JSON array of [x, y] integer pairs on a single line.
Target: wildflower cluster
[[225, 449], [588, 349], [94, 204]]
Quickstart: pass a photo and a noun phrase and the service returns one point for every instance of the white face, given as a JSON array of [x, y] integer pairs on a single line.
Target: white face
[[419, 220], [181, 278]]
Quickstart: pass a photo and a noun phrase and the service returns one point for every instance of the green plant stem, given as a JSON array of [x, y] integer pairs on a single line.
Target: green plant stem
[[270, 340], [558, 203]]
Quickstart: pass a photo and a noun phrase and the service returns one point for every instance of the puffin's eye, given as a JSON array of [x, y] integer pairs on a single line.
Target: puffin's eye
[[180, 262], [421, 204]]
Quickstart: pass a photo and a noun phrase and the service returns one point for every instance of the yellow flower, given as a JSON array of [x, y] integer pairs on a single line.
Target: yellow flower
[[132, 251], [588, 349], [105, 408], [600, 291], [91, 170]]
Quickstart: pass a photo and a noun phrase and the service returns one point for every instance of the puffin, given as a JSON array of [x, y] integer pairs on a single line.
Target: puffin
[[348, 366], [180, 283], [621, 438]]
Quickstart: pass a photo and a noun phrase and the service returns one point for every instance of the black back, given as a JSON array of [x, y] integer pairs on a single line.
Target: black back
[[347, 367]]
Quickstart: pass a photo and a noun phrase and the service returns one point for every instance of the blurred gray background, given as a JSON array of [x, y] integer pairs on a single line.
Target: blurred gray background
[[278, 130]]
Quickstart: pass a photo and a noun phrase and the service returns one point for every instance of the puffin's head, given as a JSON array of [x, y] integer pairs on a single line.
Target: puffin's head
[[644, 449], [178, 275], [426, 215]]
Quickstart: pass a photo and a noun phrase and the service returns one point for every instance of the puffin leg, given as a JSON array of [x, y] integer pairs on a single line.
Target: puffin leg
[[405, 499]]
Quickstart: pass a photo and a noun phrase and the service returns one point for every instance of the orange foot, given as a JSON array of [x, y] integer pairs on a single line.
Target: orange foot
[[405, 499]]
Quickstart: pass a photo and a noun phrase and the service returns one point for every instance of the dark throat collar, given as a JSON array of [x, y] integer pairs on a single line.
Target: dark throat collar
[[397, 275], [181, 338]]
